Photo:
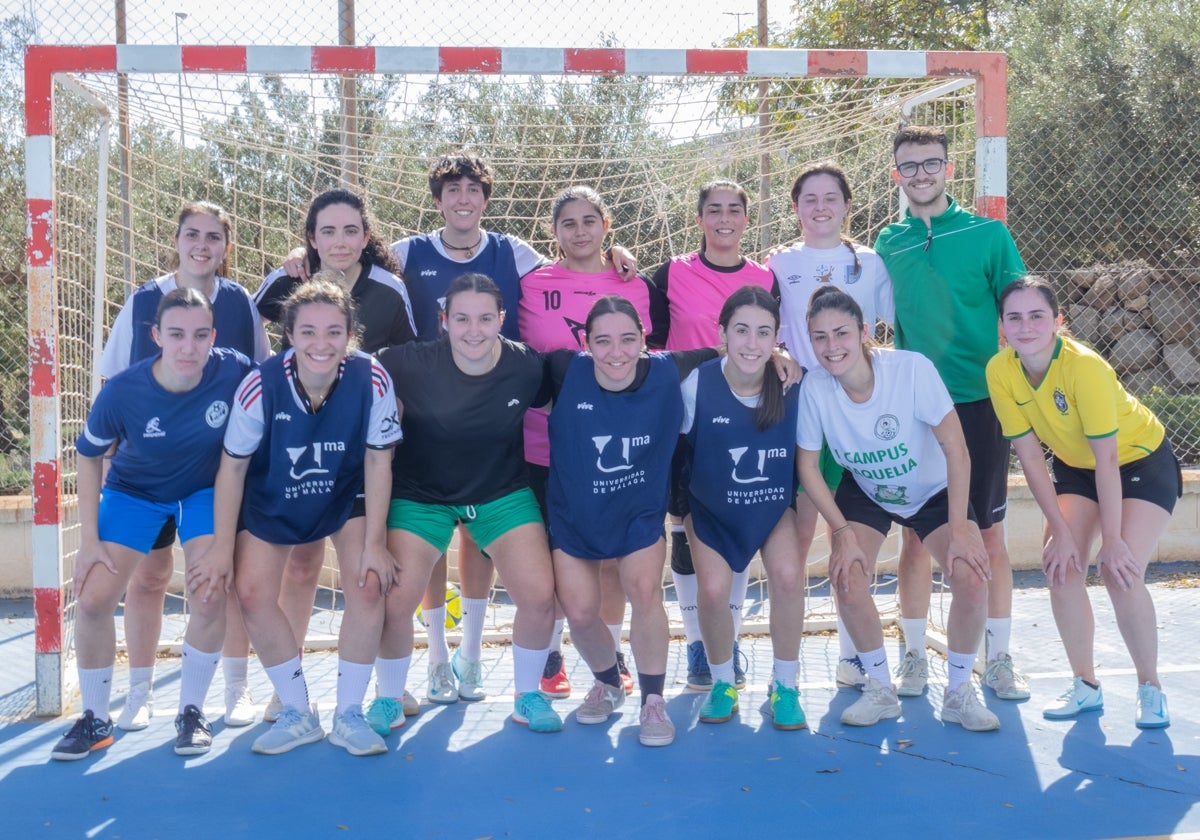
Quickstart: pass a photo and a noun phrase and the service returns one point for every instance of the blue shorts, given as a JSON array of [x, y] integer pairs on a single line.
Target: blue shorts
[[136, 523]]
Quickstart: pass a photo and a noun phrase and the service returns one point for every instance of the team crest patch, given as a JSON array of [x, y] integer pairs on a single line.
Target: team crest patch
[[1060, 401], [217, 414], [891, 494], [853, 273], [887, 427]]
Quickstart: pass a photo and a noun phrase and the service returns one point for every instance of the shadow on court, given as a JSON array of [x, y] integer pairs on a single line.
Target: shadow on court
[[466, 771]]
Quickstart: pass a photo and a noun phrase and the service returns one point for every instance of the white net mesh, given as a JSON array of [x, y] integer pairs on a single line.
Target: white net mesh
[[263, 146]]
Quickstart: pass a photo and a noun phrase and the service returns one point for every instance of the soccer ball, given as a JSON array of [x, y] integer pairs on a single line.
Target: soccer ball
[[453, 607]]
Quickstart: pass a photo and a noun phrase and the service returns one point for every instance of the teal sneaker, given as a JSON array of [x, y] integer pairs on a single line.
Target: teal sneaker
[[785, 708], [534, 710], [721, 704], [385, 714], [1151, 707]]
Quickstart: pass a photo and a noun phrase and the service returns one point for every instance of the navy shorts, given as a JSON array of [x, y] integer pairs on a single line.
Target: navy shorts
[[989, 451], [856, 506]]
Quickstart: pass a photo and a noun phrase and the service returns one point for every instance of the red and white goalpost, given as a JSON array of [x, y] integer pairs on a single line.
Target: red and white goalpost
[[89, 241]]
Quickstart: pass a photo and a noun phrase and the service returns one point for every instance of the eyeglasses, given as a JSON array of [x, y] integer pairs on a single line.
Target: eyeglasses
[[932, 166]]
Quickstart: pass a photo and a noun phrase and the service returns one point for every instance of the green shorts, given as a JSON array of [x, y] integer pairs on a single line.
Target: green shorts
[[831, 470], [486, 523]]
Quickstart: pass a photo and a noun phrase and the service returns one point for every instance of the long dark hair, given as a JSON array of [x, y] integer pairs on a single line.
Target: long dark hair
[[771, 408], [204, 208], [835, 172], [374, 251], [711, 187]]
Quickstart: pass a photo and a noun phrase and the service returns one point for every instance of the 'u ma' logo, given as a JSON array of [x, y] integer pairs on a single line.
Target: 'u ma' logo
[[601, 442], [736, 453]]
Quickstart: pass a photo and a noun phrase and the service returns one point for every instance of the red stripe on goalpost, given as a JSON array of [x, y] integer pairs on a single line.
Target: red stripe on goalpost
[[707, 62], [343, 59], [469, 59], [47, 611], [594, 61], [837, 63], [214, 59]]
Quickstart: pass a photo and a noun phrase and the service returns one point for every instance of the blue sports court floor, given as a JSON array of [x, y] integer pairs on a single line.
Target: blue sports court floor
[[466, 771]]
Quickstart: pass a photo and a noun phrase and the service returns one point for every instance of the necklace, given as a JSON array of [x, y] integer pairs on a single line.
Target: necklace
[[468, 251]]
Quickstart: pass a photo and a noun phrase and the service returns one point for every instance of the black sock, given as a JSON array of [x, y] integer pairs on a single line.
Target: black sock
[[610, 676], [651, 684]]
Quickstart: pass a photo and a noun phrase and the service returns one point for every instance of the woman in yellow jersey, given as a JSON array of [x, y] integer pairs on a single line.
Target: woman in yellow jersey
[[1114, 474]]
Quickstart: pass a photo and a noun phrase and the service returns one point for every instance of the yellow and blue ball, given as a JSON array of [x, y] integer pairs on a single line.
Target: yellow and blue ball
[[454, 607]]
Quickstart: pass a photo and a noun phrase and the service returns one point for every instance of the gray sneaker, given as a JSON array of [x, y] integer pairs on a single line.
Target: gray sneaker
[[469, 673], [878, 702], [962, 706], [294, 728], [274, 707], [601, 701], [352, 733], [1005, 680], [912, 675]]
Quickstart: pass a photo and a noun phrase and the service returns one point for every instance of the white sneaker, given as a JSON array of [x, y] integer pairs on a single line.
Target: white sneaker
[[139, 706], [239, 706], [294, 728], [1151, 707], [274, 707], [1079, 698], [878, 702], [912, 675], [351, 732], [962, 706], [1003, 679], [850, 673], [469, 673], [410, 705], [442, 688], [601, 701]]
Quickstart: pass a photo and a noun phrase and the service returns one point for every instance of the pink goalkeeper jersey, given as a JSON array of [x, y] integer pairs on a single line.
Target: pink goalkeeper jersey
[[555, 302], [696, 293]]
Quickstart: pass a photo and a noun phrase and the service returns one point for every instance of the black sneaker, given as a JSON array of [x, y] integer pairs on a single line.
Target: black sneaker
[[193, 732], [87, 735], [739, 666], [626, 677]]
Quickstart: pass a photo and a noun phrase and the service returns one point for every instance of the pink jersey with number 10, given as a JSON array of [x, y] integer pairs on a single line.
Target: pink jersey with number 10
[[555, 302]]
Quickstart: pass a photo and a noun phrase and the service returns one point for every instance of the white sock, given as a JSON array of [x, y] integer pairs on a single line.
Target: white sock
[[737, 598], [235, 669], [351, 684], [391, 675], [435, 626], [288, 680], [914, 635], [875, 664], [556, 637], [196, 674], [846, 648], [473, 618], [95, 688], [687, 592], [615, 630], [722, 671], [959, 671], [142, 674], [528, 665], [785, 671], [999, 631]]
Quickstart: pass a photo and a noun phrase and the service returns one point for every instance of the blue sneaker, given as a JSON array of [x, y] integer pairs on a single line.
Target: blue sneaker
[[88, 734], [293, 729], [699, 676], [384, 715], [534, 710]]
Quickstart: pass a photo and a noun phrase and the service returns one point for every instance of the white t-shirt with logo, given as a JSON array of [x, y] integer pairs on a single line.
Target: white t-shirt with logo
[[886, 443]]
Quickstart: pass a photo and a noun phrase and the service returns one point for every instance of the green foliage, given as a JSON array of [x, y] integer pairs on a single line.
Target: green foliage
[[1180, 416]]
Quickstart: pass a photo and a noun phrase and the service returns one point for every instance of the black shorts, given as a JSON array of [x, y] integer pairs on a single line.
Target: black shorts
[[989, 451], [538, 476], [166, 537], [1156, 479], [856, 506], [679, 504]]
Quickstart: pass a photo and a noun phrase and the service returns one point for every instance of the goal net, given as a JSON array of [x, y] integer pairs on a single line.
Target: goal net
[[121, 137]]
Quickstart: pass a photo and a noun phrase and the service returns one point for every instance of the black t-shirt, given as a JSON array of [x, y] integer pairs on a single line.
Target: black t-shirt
[[381, 304], [463, 435]]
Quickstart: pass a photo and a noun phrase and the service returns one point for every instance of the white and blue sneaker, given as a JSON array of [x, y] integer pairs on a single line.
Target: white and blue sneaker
[[1076, 700], [294, 728], [1151, 707]]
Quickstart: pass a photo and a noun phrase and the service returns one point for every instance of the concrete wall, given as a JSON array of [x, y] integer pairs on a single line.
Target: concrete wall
[[1025, 524]]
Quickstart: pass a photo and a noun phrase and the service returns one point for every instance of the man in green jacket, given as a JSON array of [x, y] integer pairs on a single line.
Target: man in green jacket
[[948, 267]]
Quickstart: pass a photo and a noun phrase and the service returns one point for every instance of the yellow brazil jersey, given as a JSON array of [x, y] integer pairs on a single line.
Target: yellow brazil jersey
[[1079, 398]]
